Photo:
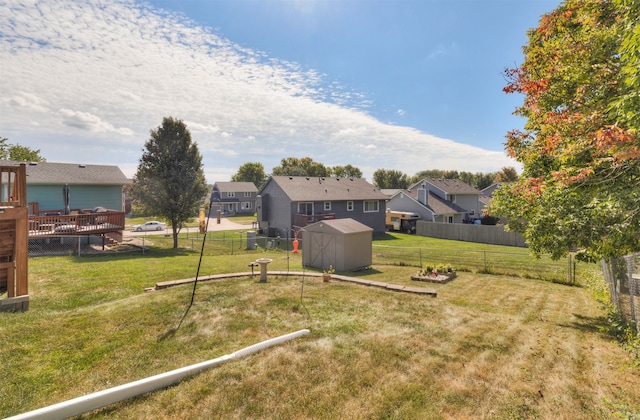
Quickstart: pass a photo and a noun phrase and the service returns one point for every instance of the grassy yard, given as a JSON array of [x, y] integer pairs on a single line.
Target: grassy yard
[[489, 346]]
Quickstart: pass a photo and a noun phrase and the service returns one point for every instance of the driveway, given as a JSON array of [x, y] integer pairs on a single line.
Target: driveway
[[225, 224]]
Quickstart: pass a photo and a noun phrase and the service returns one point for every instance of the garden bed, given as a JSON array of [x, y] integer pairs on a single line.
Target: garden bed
[[438, 278]]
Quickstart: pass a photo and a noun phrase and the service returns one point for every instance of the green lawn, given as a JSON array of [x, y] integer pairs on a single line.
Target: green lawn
[[489, 346]]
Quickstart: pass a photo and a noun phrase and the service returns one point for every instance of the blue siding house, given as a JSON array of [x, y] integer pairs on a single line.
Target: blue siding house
[[90, 186]]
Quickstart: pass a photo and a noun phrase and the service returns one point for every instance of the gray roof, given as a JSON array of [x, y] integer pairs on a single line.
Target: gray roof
[[233, 186], [492, 188], [71, 173], [300, 188], [449, 186], [390, 192], [435, 203], [345, 226], [441, 206]]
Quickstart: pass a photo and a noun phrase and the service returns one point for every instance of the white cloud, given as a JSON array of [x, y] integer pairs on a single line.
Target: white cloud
[[90, 122], [28, 101], [112, 71]]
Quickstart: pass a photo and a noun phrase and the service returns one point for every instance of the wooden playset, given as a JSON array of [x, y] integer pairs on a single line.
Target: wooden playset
[[14, 234]]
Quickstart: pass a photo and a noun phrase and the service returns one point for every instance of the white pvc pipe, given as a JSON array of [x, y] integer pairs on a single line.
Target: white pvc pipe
[[103, 398]]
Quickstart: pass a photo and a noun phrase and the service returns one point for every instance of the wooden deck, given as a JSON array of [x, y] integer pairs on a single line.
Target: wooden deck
[[78, 223], [302, 220]]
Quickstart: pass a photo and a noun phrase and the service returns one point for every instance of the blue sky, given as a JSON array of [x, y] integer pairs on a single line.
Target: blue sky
[[401, 84]]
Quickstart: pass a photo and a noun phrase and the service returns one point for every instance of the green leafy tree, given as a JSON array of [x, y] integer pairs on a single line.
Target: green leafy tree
[[427, 173], [580, 151], [251, 172], [347, 171], [18, 153], [390, 178], [170, 180], [506, 174], [301, 167], [479, 180]]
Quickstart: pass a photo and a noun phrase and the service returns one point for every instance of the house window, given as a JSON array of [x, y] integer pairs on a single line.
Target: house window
[[370, 206], [247, 193], [452, 198], [231, 194], [305, 208], [246, 205], [450, 219], [349, 205], [327, 205]]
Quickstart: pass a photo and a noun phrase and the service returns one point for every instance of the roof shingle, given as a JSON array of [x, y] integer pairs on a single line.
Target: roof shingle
[[300, 188]]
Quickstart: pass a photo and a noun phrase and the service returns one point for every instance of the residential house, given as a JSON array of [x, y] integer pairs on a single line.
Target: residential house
[[488, 192], [90, 186], [288, 203], [439, 200], [235, 197]]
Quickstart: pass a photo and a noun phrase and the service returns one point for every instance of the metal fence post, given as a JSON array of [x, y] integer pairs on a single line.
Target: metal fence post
[[485, 261]]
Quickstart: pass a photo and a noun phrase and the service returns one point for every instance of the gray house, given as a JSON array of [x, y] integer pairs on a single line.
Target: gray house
[[288, 203], [90, 186], [439, 200], [235, 197]]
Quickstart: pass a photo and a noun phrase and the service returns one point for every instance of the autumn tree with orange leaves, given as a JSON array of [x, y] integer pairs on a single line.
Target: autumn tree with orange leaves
[[580, 149]]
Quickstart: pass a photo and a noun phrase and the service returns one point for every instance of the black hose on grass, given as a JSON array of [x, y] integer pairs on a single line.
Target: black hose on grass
[[214, 196]]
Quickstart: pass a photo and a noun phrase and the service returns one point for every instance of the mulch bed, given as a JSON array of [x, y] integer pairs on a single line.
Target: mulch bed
[[440, 278]]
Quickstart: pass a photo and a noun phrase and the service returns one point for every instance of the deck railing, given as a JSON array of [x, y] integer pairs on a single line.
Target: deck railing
[[80, 223], [302, 220]]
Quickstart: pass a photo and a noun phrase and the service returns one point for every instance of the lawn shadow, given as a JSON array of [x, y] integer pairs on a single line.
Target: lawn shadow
[[384, 237], [361, 273], [588, 324]]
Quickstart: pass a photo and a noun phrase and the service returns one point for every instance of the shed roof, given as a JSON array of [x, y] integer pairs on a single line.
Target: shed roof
[[300, 188], [344, 226], [71, 173]]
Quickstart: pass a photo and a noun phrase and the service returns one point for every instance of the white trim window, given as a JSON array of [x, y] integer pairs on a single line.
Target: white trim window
[[305, 208], [349, 205], [247, 193], [370, 206], [231, 194], [327, 205], [246, 205], [452, 198]]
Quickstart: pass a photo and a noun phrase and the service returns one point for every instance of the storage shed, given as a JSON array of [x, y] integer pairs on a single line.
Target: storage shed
[[345, 244]]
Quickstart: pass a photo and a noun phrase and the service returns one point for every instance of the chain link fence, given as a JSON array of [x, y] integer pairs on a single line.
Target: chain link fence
[[517, 263], [623, 278]]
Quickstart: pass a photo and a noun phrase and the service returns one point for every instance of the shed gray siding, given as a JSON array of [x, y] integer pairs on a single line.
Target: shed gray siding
[[345, 244]]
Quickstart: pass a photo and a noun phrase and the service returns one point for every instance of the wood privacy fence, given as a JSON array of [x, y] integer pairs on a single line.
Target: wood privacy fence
[[486, 234]]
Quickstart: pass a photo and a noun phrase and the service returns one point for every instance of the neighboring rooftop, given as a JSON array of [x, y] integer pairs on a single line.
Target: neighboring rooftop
[[300, 188], [233, 186], [70, 173], [450, 186]]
